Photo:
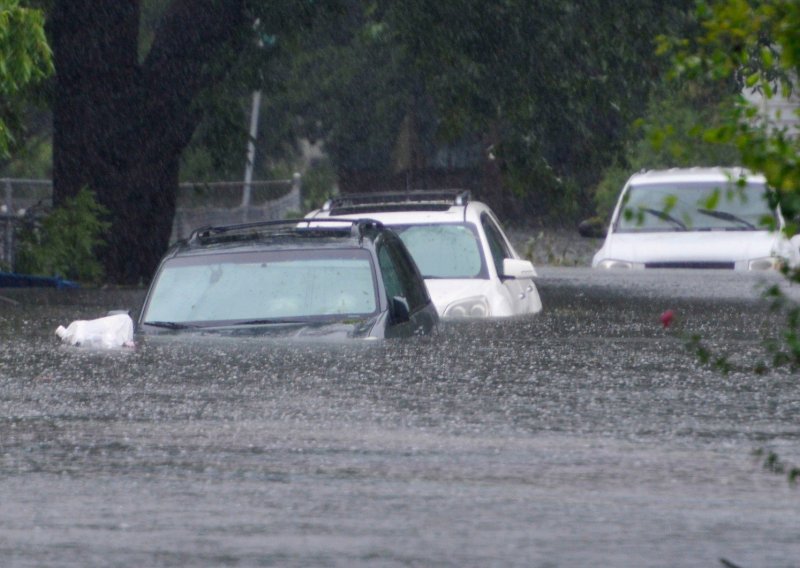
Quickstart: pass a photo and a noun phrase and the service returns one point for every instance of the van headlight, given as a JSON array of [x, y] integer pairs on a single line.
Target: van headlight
[[610, 263], [766, 263], [475, 307]]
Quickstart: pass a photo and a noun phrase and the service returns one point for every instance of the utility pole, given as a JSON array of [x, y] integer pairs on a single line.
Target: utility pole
[[251, 152]]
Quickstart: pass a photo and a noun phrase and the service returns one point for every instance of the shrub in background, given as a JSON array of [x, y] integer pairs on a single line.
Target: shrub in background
[[319, 184], [64, 242], [668, 136]]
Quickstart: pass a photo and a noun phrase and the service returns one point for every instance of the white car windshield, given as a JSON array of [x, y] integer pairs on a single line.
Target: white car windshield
[[256, 286], [444, 250], [694, 206]]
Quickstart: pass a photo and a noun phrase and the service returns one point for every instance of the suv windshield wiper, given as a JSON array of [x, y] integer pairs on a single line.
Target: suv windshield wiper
[[170, 324], [725, 216], [665, 217], [268, 321]]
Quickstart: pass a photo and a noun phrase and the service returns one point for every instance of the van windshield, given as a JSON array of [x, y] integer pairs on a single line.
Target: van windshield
[[694, 206]]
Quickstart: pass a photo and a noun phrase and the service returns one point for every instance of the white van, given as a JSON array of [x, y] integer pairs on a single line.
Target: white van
[[711, 218]]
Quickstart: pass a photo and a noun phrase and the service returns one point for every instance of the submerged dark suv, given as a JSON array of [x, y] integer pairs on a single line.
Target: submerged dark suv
[[301, 278]]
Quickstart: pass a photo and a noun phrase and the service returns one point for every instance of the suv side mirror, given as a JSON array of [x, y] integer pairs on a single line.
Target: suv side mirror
[[400, 311], [593, 228], [518, 268]]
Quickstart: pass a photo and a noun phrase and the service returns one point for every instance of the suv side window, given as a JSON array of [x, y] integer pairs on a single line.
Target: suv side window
[[412, 280], [391, 280], [402, 278], [497, 243]]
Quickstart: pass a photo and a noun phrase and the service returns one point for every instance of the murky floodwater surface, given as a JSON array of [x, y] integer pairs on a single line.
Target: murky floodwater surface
[[585, 436]]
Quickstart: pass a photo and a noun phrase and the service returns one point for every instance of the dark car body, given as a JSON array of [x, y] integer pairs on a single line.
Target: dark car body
[[299, 278]]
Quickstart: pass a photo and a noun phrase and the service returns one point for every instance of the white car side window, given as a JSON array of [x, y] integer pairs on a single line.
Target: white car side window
[[497, 243]]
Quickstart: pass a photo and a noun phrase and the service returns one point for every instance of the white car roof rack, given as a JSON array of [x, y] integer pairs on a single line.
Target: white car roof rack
[[417, 200]]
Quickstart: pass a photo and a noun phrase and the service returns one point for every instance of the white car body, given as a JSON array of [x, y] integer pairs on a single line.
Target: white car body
[[677, 229], [503, 286]]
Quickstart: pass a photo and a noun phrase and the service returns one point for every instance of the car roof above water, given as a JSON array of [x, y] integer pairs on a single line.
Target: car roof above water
[[281, 235], [685, 175], [408, 207]]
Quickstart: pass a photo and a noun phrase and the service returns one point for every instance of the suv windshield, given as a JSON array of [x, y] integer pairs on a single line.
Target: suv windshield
[[444, 250], [688, 206], [254, 286]]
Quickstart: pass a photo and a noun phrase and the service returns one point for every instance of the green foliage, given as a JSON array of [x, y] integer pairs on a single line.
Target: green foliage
[[785, 350], [319, 184], [607, 191], [551, 89], [25, 59], [773, 463], [64, 243], [350, 84], [668, 136], [272, 60], [758, 46], [781, 348], [218, 148], [753, 45], [719, 362], [404, 86], [31, 160]]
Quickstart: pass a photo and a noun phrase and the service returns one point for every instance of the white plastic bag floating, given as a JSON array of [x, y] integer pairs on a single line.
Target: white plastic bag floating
[[107, 332]]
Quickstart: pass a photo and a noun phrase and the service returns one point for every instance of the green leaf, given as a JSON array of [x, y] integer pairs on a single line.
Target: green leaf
[[766, 56], [713, 200]]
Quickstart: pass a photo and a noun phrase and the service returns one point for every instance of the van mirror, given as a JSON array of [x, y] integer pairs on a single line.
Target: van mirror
[[593, 228]]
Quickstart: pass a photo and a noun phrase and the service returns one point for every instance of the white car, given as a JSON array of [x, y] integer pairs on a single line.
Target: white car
[[695, 218], [470, 268]]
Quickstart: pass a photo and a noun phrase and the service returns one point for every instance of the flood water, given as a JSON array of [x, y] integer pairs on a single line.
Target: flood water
[[585, 436]]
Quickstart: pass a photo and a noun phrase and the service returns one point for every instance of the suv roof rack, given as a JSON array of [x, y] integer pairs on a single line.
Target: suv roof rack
[[420, 200], [355, 228]]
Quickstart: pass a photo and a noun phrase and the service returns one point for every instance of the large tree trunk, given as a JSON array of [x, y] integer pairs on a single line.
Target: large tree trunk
[[120, 126]]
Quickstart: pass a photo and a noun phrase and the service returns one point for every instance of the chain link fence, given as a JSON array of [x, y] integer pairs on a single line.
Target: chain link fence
[[22, 198], [226, 203], [198, 205]]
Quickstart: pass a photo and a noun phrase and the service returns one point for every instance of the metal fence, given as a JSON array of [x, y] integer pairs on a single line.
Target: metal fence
[[198, 204], [224, 203], [19, 197]]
